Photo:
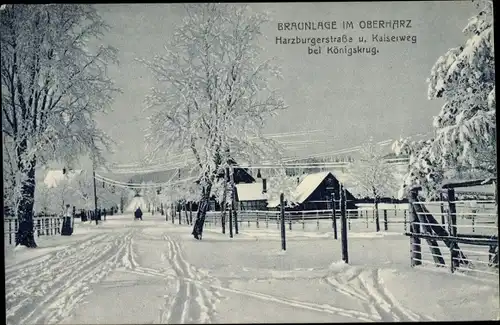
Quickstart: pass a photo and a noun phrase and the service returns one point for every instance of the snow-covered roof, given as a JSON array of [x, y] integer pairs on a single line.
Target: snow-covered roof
[[273, 203], [307, 186], [250, 192], [54, 177]]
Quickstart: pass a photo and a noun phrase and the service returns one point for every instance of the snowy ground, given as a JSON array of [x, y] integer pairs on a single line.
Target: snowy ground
[[151, 271]]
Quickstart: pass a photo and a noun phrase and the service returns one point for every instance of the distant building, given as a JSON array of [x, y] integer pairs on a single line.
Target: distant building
[[252, 196], [240, 176], [314, 192], [53, 178]]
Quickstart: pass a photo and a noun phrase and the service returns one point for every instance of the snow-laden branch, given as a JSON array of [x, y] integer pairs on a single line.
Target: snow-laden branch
[[464, 140], [212, 94]]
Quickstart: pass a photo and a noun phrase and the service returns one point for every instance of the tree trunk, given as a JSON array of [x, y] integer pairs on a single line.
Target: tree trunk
[[377, 222], [25, 234], [202, 212]]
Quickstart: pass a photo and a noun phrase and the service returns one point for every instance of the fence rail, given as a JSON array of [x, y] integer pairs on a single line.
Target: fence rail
[[43, 225], [357, 219], [460, 235]]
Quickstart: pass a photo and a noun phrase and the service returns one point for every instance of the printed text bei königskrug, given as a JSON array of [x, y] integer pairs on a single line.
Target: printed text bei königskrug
[[364, 37]]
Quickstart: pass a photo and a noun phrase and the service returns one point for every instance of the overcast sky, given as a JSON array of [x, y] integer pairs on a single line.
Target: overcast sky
[[352, 98]]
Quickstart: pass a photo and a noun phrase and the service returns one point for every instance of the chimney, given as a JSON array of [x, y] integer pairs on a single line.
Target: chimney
[[258, 173], [64, 171], [264, 185], [298, 180]]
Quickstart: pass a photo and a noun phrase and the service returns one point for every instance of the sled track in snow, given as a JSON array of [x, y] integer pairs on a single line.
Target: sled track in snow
[[366, 286], [193, 302], [48, 291]]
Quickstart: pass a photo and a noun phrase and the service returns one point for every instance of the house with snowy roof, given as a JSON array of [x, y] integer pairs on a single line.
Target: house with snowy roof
[[252, 196], [314, 192]]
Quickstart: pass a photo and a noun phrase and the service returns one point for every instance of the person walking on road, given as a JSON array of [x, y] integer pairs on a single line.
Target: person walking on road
[[138, 213]]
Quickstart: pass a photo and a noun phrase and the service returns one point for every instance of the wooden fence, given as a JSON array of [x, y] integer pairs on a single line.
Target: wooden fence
[[357, 220], [461, 235], [43, 225]]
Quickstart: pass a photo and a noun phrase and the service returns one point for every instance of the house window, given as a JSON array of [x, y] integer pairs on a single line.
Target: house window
[[251, 205]]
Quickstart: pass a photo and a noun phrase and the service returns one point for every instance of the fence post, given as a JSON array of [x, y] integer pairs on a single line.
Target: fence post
[[334, 217], [15, 231], [385, 220], [172, 212], [452, 211], [233, 200], [191, 213], [303, 223], [282, 213], [10, 231], [317, 220], [367, 219], [416, 249], [266, 215], [257, 221], [343, 227], [231, 222], [452, 229], [441, 206], [404, 220], [290, 221]]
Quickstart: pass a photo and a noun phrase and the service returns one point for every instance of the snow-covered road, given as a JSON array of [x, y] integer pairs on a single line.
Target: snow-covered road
[[126, 271]]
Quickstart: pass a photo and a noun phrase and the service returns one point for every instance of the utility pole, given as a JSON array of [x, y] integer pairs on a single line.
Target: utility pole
[[95, 194]]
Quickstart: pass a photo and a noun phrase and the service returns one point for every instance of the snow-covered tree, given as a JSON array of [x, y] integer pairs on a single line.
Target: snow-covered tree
[[151, 195], [279, 182], [213, 95], [52, 85], [77, 189], [372, 175], [107, 195], [465, 128]]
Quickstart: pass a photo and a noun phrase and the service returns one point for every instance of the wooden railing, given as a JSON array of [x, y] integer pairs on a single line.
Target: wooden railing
[[43, 225]]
